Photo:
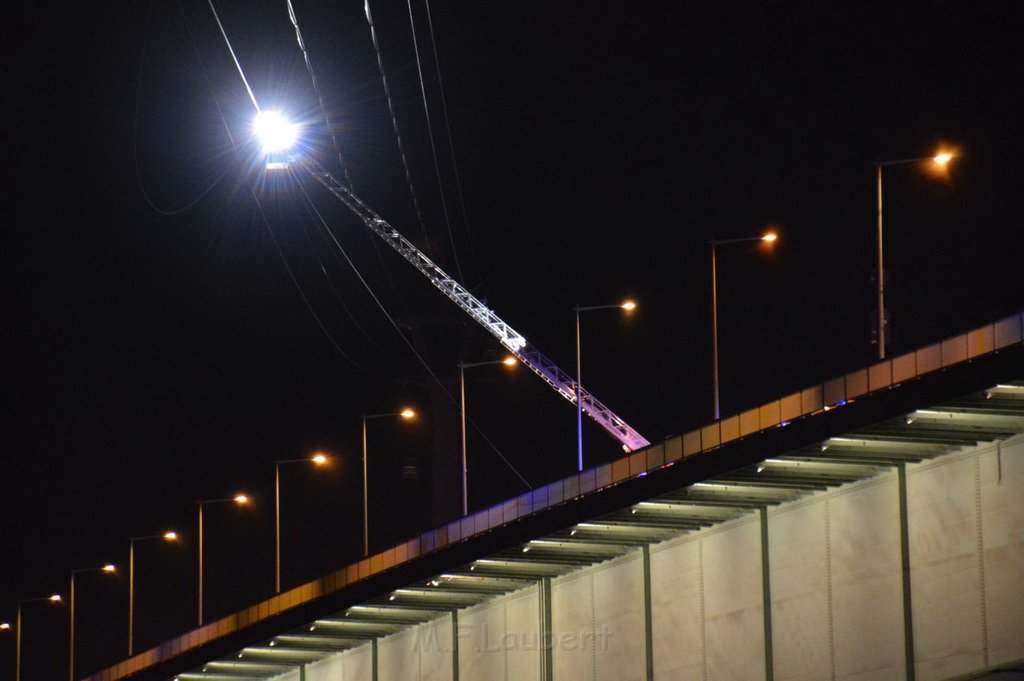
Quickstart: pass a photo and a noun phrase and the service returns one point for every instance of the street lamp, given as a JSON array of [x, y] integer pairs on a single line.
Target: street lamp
[[628, 306], [508, 361], [55, 598], [768, 238], [318, 459], [406, 414], [940, 160], [239, 499], [109, 569], [168, 536]]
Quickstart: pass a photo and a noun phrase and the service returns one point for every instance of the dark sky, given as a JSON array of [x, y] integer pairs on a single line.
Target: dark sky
[[152, 359]]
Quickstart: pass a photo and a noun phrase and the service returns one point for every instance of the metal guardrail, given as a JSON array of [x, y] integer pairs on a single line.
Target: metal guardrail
[[819, 398]]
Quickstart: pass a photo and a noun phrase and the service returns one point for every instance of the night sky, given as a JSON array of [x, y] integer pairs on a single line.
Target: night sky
[[163, 343]]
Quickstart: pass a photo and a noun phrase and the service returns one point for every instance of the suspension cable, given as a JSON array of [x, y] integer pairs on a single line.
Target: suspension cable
[[394, 122], [232, 51], [448, 130], [319, 96], [298, 286], [138, 99], [433, 147]]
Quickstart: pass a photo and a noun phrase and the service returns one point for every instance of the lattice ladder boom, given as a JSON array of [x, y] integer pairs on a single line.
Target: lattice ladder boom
[[509, 338]]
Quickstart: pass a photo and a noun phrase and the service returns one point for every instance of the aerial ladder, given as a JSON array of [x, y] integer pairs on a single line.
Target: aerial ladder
[[511, 340]]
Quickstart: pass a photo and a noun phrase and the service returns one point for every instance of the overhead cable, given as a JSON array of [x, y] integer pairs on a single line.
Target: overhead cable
[[138, 97], [298, 286], [394, 122], [448, 130], [433, 148], [232, 51], [319, 96]]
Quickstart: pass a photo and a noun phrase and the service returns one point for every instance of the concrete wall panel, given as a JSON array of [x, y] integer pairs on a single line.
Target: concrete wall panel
[[522, 612], [500, 639], [352, 665], [572, 615], [483, 635], [945, 572], [1002, 506], [734, 604], [619, 639], [677, 609], [867, 586], [801, 622], [398, 656], [436, 658]]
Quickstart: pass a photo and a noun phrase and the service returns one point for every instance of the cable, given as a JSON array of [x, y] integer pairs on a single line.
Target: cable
[[232, 51], [433, 148], [448, 130], [394, 122], [398, 329], [316, 89], [330, 283], [327, 229], [298, 287], [255, 197], [138, 98]]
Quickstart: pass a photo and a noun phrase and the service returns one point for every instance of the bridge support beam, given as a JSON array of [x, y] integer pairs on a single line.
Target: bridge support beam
[[766, 586], [908, 610]]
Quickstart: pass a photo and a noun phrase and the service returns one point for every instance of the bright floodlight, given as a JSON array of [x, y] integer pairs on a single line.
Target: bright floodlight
[[275, 132], [943, 158]]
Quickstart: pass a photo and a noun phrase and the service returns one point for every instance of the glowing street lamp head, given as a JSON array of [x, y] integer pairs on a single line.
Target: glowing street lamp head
[[629, 306], [55, 598], [4, 626], [943, 158], [509, 361], [769, 237], [275, 132], [407, 413], [241, 499], [170, 536], [109, 567], [319, 459]]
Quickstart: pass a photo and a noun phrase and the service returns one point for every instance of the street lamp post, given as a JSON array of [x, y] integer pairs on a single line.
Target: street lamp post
[[940, 160], [405, 414], [241, 500], [108, 568], [767, 237], [166, 536], [628, 306], [508, 361], [55, 598], [317, 459]]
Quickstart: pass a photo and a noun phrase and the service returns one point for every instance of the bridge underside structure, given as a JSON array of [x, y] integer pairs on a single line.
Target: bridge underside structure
[[871, 527]]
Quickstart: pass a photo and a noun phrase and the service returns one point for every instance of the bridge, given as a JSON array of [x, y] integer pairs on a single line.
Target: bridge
[[869, 527]]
